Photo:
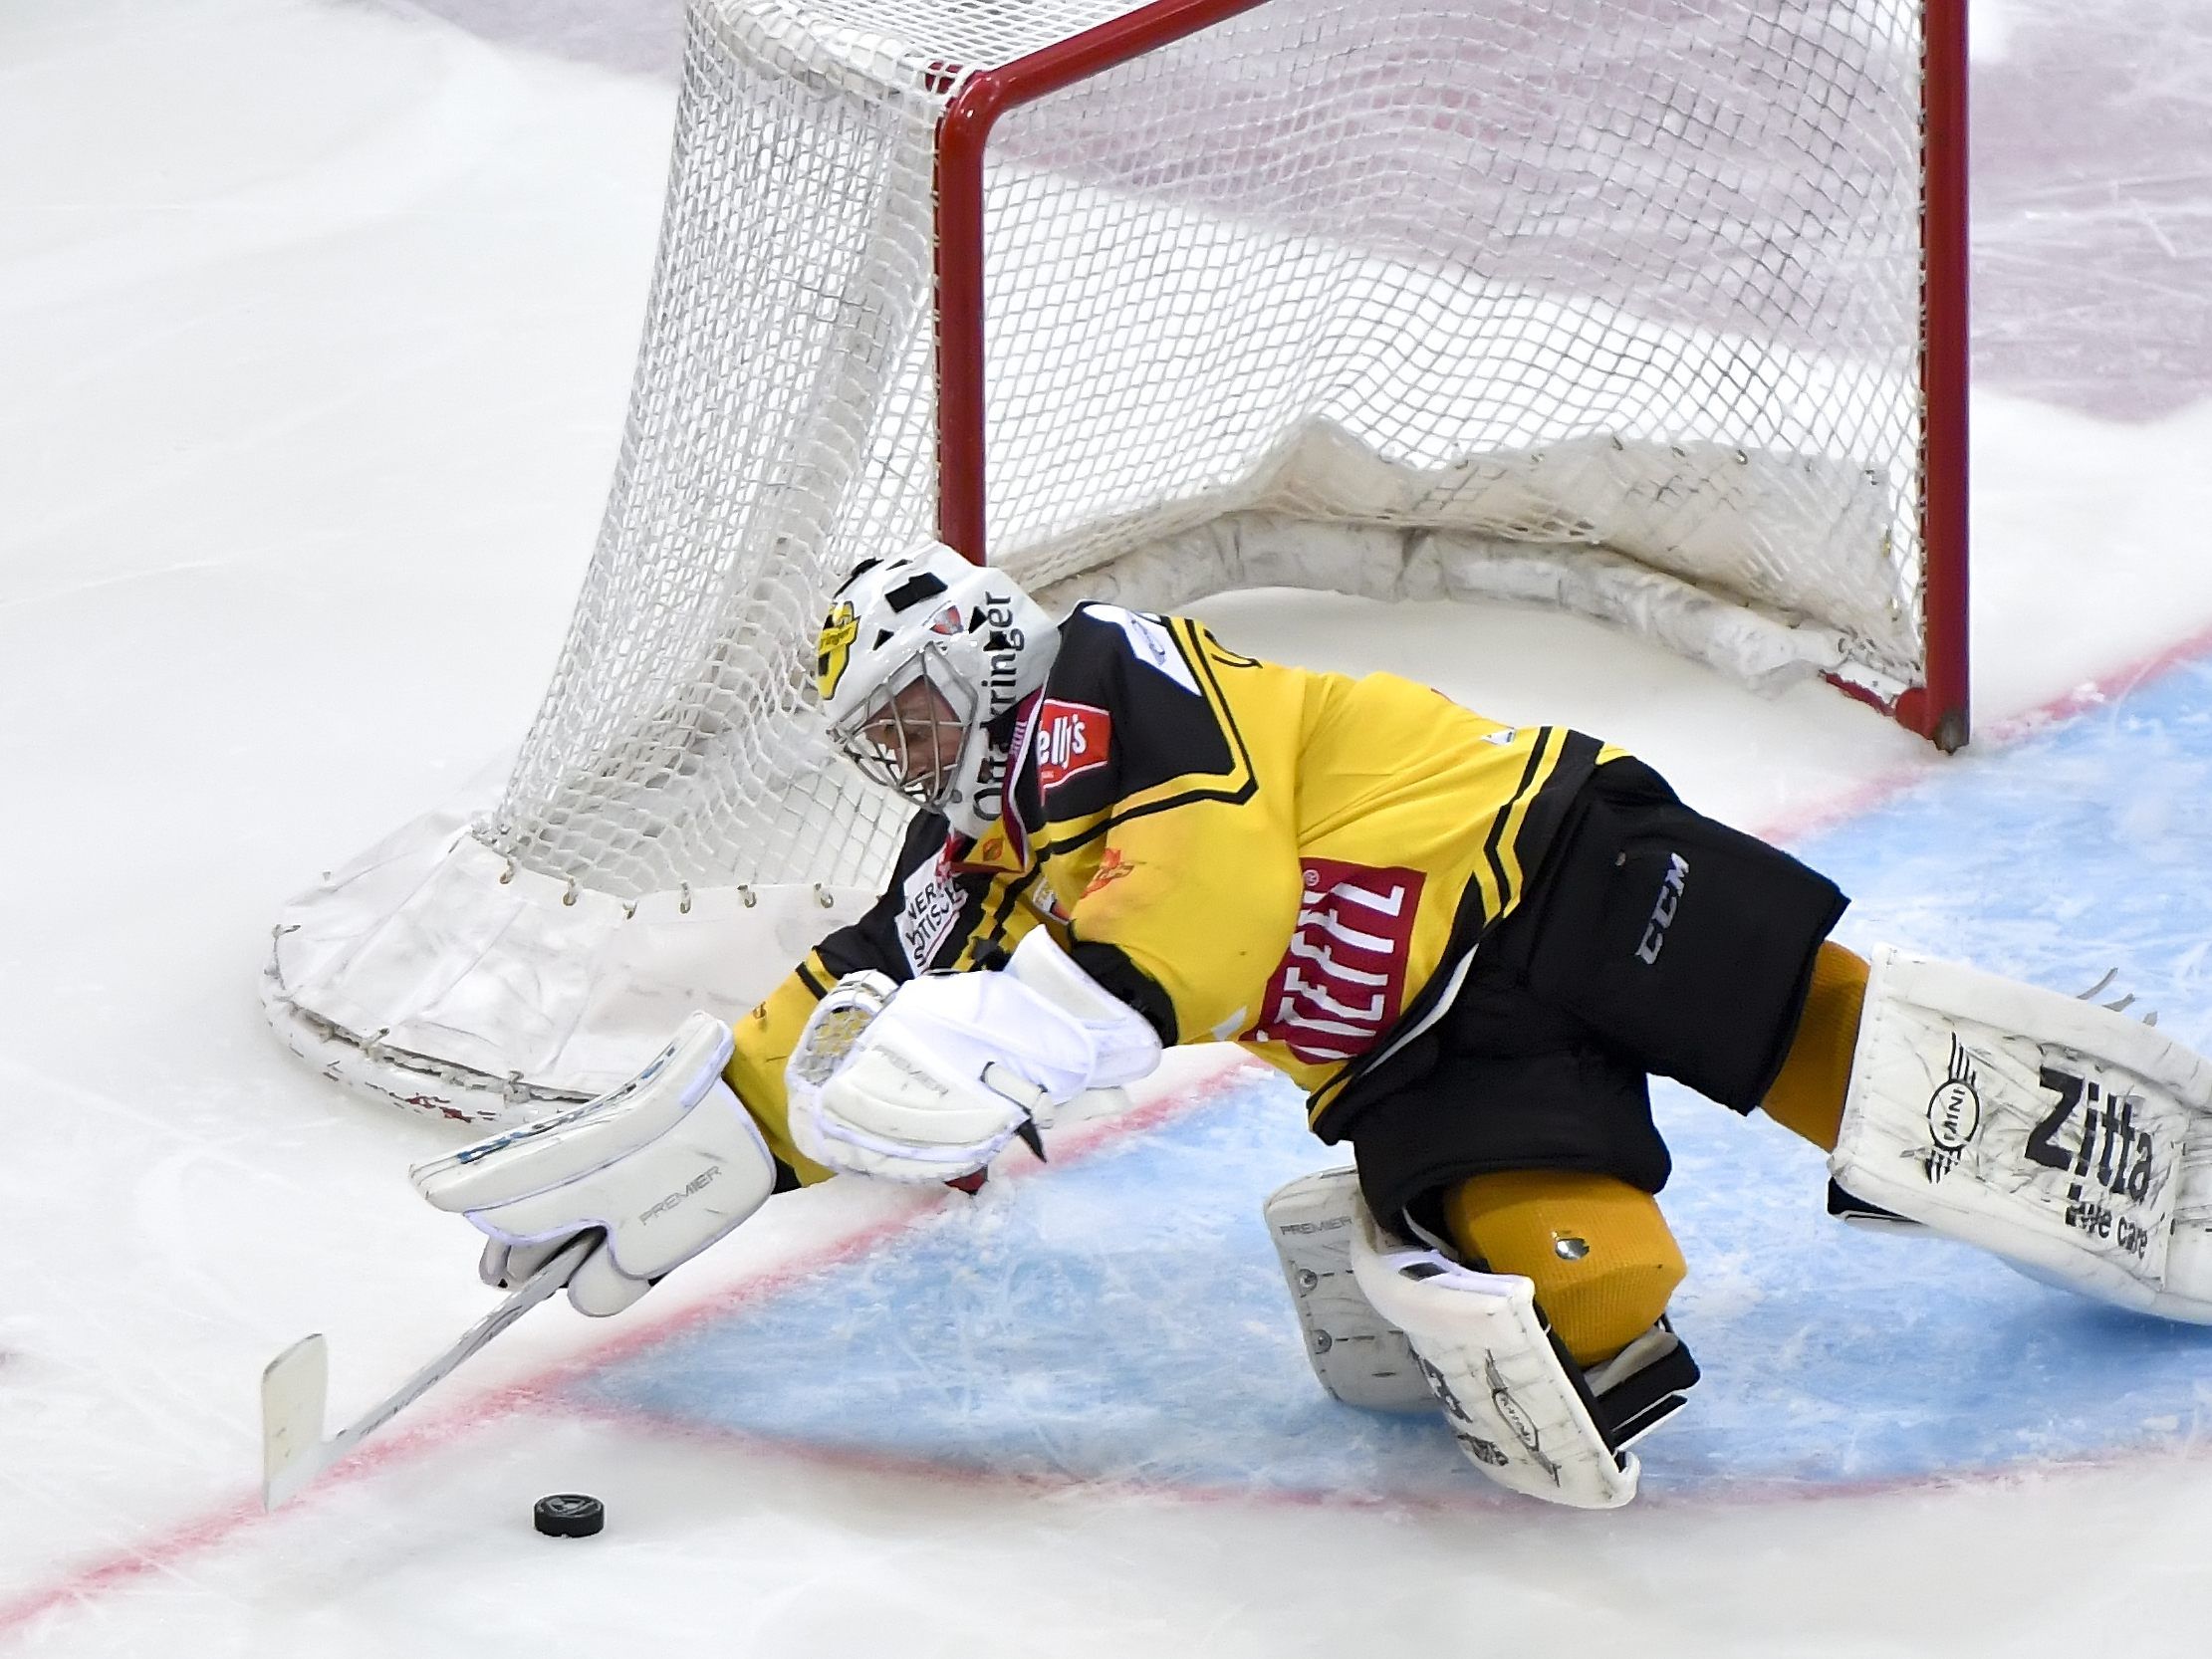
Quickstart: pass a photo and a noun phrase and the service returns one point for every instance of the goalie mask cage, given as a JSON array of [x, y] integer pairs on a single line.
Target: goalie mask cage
[[1652, 308]]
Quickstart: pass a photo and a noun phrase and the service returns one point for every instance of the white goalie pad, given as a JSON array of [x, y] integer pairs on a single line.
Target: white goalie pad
[[1506, 1393], [1361, 1357], [2068, 1139]]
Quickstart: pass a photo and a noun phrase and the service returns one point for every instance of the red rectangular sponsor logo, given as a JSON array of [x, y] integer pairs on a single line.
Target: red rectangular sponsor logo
[[1071, 738], [1340, 985]]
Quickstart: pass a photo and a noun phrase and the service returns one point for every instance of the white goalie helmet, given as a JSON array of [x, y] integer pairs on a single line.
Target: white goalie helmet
[[919, 654]]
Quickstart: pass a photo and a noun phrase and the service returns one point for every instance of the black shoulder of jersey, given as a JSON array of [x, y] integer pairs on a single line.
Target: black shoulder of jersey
[[1129, 707]]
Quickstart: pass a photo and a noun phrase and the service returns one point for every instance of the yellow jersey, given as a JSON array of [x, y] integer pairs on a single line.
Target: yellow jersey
[[1297, 861]]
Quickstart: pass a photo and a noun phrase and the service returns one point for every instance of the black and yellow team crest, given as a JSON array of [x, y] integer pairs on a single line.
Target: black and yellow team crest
[[839, 629]]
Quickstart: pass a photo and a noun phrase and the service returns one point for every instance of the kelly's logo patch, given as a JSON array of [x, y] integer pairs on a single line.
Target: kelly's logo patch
[[1071, 738]]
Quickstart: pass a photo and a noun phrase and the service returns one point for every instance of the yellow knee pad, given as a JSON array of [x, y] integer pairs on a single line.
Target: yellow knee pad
[[1599, 1251]]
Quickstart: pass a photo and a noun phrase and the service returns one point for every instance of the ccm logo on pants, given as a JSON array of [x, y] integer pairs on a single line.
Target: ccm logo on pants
[[1670, 897]]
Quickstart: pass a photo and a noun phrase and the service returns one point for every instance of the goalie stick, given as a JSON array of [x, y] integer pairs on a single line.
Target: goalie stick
[[296, 1384]]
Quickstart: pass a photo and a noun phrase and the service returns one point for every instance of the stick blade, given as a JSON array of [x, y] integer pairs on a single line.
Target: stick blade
[[293, 1387]]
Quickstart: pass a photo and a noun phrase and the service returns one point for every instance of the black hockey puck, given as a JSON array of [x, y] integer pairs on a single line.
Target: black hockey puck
[[569, 1515]]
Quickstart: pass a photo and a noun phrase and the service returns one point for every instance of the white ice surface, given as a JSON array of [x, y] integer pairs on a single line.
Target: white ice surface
[[315, 328]]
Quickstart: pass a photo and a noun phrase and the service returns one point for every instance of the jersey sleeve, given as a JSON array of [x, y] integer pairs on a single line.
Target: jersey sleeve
[[762, 1044]]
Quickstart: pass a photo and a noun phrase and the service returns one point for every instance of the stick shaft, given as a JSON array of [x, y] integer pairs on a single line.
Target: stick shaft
[[534, 1290], [286, 1471]]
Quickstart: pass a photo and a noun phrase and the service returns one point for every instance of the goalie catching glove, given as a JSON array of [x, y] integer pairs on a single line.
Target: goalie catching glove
[[659, 1169], [928, 1080]]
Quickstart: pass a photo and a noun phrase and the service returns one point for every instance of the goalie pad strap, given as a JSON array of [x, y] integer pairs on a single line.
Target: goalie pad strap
[[2048, 1130]]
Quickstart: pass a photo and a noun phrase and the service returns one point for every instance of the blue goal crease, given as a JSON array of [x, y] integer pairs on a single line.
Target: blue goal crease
[[1124, 1321]]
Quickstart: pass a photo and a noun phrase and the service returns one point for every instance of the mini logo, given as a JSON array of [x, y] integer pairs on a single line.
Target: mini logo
[[1954, 1115], [834, 650], [1502, 738], [1072, 738], [948, 621]]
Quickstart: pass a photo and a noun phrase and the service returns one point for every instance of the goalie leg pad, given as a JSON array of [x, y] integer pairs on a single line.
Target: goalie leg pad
[[2067, 1138], [1359, 1356], [1518, 1406]]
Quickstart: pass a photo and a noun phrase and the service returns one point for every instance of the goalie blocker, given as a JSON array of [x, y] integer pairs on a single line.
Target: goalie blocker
[[652, 1173], [2067, 1138]]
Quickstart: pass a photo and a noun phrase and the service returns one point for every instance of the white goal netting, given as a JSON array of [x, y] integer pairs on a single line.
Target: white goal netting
[[1613, 304]]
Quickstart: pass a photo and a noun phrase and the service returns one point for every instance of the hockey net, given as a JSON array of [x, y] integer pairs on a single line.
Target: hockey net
[[1618, 304]]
